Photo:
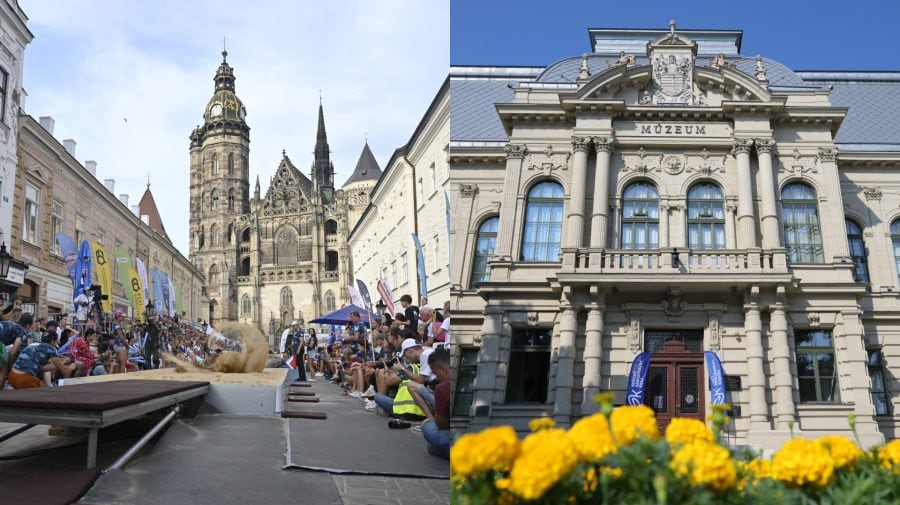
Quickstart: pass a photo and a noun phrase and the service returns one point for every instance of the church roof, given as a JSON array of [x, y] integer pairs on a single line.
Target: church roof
[[286, 179], [147, 207], [367, 168]]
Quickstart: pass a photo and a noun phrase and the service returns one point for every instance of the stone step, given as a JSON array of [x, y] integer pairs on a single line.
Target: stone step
[[303, 399], [301, 393], [293, 414]]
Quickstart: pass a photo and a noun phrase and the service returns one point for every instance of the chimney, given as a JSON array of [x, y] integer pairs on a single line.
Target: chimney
[[124, 199], [136, 210], [91, 167], [47, 123], [145, 219], [69, 144], [110, 185]]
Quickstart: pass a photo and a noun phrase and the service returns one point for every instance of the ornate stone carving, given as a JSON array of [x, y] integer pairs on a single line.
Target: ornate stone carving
[[814, 319], [584, 72], [707, 166], [639, 164], [872, 193], [797, 164], [548, 160], [741, 146], [468, 190], [673, 165], [827, 154], [760, 70], [673, 77], [515, 151], [624, 59], [764, 145], [604, 144], [673, 305], [715, 330], [645, 98], [581, 144], [720, 62], [532, 318], [633, 331]]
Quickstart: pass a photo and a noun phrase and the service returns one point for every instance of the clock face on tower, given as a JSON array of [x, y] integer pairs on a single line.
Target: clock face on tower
[[216, 109]]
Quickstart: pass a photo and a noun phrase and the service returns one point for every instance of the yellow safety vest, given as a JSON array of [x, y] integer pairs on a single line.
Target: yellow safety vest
[[403, 401]]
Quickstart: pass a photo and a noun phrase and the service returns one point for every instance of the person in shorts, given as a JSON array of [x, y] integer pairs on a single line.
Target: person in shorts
[[312, 357], [121, 343], [40, 359]]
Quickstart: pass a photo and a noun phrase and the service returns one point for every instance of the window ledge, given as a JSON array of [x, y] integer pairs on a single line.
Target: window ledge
[[826, 407]]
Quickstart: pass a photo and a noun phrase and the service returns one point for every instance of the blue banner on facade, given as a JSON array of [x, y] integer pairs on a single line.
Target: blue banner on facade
[[716, 378], [420, 264], [69, 251], [637, 379], [84, 269]]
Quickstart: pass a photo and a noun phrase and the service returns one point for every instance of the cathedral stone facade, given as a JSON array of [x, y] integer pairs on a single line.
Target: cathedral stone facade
[[272, 257]]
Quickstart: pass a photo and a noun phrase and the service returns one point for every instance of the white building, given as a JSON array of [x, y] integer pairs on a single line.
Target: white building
[[667, 194], [409, 199]]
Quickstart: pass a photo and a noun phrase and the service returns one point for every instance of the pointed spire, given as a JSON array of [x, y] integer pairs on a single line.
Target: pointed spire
[[367, 168], [322, 170]]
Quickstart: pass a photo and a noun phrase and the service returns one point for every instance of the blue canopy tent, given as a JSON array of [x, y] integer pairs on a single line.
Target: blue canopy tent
[[342, 316]]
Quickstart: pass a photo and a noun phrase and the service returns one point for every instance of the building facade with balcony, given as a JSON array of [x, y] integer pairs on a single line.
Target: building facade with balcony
[[274, 257], [665, 193]]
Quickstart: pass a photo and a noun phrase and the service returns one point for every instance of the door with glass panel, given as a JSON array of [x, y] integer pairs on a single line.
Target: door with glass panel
[[675, 377]]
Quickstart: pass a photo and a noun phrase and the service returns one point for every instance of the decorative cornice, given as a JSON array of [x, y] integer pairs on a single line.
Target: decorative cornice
[[581, 144], [741, 146], [764, 145]]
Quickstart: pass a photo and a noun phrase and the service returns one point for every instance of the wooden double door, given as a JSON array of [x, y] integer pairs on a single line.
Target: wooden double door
[[675, 379]]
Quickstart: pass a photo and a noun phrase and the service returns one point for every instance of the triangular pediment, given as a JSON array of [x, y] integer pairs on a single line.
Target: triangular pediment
[[289, 188]]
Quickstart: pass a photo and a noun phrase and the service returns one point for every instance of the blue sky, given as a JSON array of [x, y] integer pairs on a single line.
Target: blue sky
[[804, 35], [94, 63]]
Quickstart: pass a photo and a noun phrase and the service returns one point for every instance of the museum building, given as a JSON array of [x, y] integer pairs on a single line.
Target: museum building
[[667, 194]]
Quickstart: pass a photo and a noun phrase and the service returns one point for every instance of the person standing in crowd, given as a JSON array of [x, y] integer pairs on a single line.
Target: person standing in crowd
[[357, 338], [13, 337], [298, 347], [82, 308], [312, 344], [40, 359], [442, 331], [80, 350], [410, 311], [151, 343], [426, 325], [13, 311], [121, 343], [284, 348], [436, 430]]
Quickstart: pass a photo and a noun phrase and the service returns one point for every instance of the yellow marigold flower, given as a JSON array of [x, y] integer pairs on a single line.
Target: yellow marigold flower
[[546, 457], [616, 472], [682, 430], [591, 480], [843, 451], [802, 462], [592, 438], [889, 456], [541, 423], [705, 464], [491, 449], [753, 471], [630, 422]]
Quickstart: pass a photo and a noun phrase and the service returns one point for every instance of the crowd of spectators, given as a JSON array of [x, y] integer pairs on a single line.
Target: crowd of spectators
[[400, 366]]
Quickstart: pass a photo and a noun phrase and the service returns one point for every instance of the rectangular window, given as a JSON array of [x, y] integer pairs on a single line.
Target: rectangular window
[[79, 230], [56, 222], [880, 396], [465, 382], [529, 365], [30, 221], [404, 268], [816, 366], [101, 234], [4, 91]]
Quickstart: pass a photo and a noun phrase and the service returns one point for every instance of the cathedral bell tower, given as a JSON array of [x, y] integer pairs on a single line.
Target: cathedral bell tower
[[322, 168], [220, 191]]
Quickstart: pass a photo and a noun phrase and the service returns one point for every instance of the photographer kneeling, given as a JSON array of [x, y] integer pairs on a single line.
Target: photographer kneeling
[[40, 359]]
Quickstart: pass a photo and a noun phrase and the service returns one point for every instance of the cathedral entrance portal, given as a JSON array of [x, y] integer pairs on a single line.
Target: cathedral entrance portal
[[675, 379]]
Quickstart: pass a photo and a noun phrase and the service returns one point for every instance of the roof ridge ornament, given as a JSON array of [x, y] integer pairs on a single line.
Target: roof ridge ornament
[[760, 70], [584, 72], [720, 62], [624, 59]]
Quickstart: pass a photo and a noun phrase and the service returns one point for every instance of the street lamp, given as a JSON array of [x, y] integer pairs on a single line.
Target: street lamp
[[5, 259], [380, 306], [150, 310]]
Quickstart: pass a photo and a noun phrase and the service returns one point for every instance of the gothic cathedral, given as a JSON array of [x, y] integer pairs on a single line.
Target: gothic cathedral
[[274, 258]]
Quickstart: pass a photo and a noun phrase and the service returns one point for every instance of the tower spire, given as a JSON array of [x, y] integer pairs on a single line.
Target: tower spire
[[322, 169]]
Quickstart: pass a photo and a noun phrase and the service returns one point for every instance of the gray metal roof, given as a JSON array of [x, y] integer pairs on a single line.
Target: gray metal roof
[[472, 112], [367, 168]]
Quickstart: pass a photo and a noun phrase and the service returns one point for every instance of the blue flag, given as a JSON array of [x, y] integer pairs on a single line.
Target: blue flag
[[157, 291], [364, 292], [69, 251], [83, 269], [420, 264], [716, 377], [637, 379]]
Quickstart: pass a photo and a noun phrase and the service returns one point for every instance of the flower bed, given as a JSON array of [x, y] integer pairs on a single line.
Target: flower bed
[[618, 456]]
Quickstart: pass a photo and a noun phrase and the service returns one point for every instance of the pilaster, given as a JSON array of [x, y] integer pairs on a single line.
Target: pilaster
[[745, 218], [593, 352], [756, 378], [565, 371], [785, 410], [771, 231]]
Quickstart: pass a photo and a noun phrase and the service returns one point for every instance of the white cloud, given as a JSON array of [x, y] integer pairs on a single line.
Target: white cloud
[[94, 63]]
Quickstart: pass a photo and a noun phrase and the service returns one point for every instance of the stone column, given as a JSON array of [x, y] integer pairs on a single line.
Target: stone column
[[831, 209], [663, 224], [575, 217], [515, 155], [746, 224], [756, 378], [593, 352], [565, 369], [488, 360], [599, 218], [730, 239], [785, 411], [771, 231]]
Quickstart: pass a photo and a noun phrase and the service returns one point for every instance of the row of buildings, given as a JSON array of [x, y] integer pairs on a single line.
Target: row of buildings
[[45, 190], [665, 193]]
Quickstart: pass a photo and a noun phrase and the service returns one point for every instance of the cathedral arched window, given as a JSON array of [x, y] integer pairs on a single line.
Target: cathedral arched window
[[230, 163], [214, 235], [245, 304], [330, 305], [287, 297], [245, 266], [230, 234], [286, 247], [231, 198], [802, 231], [331, 261], [331, 227], [305, 252], [214, 200], [213, 277], [215, 165], [245, 235]]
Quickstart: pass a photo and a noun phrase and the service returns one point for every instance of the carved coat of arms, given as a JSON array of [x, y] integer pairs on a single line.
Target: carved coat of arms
[[673, 77]]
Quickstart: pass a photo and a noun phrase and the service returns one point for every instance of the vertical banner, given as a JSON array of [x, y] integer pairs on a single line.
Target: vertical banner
[[449, 239], [104, 274], [178, 302], [420, 265], [716, 377], [367, 300], [171, 298], [637, 379], [385, 292], [136, 288], [166, 298], [355, 297], [157, 291], [83, 269], [123, 265], [69, 251], [145, 280]]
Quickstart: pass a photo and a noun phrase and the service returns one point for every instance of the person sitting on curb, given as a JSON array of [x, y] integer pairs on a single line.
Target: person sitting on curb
[[13, 337], [40, 359], [436, 431], [410, 376]]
